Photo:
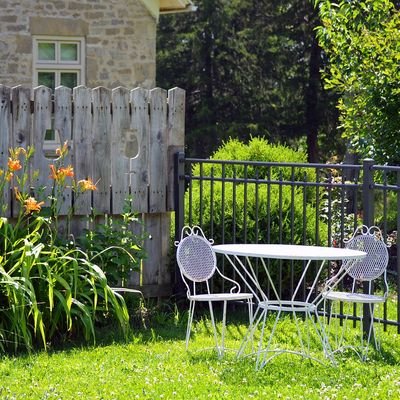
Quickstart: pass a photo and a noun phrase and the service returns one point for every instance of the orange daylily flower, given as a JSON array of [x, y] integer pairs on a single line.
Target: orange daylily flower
[[31, 205], [20, 150], [14, 165], [14, 153], [53, 172], [61, 173], [86, 184], [18, 195], [62, 151], [66, 171]]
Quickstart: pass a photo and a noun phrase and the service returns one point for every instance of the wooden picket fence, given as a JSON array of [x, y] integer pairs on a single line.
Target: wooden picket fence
[[124, 140]]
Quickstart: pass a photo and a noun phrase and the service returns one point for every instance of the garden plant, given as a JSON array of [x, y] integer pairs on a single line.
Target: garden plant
[[51, 288]]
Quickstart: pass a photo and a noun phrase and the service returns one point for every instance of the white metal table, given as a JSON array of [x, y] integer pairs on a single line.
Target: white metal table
[[251, 260]]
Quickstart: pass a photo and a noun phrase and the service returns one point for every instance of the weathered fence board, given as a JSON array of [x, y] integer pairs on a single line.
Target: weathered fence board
[[21, 116], [41, 123], [176, 136], [120, 133], [139, 172], [21, 126], [5, 129], [62, 127], [121, 139], [83, 141], [158, 145], [101, 129]]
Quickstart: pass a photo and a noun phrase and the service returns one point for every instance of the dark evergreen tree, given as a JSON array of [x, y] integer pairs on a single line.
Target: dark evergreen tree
[[249, 68]]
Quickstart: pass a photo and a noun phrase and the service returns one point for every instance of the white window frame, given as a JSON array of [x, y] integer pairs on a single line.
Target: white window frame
[[57, 66]]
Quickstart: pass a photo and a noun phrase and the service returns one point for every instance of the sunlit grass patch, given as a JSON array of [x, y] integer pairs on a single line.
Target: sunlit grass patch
[[155, 365]]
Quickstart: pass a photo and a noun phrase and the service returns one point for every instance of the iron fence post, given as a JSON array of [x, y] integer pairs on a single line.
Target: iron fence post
[[368, 220], [398, 252], [179, 189]]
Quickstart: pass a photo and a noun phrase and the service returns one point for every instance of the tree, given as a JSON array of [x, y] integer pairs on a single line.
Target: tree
[[249, 68], [362, 42]]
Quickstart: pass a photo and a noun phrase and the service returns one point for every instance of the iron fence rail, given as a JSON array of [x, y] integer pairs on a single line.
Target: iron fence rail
[[293, 203]]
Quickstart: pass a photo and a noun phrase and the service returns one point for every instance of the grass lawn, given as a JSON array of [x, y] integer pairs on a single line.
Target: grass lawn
[[155, 365]]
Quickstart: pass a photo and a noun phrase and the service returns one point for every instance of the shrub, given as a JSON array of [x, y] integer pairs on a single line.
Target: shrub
[[281, 214]]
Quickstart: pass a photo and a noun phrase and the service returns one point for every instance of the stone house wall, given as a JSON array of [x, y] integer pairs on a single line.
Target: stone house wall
[[120, 39]]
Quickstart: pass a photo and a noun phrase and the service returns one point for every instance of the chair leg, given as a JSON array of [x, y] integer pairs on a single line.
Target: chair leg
[[341, 334], [251, 321], [250, 308], [327, 329], [377, 341], [222, 349], [371, 334], [190, 320], [214, 327]]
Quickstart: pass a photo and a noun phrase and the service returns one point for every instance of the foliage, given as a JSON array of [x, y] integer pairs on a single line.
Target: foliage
[[362, 42], [124, 247], [335, 212], [249, 67], [49, 289], [276, 216]]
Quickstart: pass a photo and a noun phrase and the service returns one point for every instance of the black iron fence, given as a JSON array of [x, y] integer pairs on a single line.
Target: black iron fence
[[266, 202]]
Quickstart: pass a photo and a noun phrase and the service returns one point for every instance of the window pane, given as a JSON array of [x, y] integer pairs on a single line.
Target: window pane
[[69, 52], [47, 51], [50, 134], [47, 79], [69, 79]]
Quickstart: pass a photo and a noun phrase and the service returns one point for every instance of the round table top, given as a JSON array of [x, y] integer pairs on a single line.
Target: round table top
[[289, 251]]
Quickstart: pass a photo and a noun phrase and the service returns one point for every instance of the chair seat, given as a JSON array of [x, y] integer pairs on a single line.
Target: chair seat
[[221, 296], [353, 297]]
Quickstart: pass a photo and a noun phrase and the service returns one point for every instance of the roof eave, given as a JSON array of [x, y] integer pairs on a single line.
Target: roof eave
[[188, 8]]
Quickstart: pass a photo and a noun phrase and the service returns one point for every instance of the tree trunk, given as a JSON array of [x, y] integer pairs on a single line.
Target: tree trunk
[[311, 100]]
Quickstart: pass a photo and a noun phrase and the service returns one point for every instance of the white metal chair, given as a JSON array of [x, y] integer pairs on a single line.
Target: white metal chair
[[197, 263], [368, 269]]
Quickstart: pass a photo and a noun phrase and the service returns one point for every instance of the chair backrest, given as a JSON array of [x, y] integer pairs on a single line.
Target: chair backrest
[[195, 256], [374, 264]]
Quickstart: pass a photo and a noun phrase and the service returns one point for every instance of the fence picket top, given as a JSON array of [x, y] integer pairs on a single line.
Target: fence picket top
[[21, 102]]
